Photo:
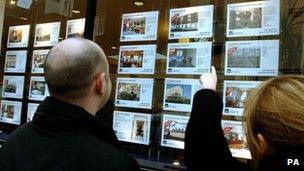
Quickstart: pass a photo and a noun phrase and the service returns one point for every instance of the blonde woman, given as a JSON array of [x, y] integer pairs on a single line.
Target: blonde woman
[[274, 125]]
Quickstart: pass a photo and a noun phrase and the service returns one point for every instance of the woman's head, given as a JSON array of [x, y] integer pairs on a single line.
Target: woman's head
[[275, 110]]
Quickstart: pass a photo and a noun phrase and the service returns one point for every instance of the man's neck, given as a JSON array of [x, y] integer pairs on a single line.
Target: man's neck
[[86, 103]]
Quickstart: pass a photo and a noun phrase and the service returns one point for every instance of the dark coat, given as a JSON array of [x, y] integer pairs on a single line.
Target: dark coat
[[63, 136], [206, 147]]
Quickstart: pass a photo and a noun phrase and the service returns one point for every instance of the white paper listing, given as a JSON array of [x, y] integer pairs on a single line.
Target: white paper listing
[[31, 109], [173, 131], [139, 26], [75, 28], [258, 18], [18, 36], [132, 127], [189, 58], [13, 87], [15, 61], [137, 59], [38, 60], [235, 136], [252, 58], [38, 89], [191, 22], [235, 94], [47, 34], [179, 94], [11, 112], [134, 93]]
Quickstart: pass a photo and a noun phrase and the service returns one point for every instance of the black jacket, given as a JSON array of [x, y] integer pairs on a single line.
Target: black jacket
[[63, 136], [206, 147]]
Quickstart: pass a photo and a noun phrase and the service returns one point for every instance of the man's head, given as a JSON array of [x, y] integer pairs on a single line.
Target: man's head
[[77, 69]]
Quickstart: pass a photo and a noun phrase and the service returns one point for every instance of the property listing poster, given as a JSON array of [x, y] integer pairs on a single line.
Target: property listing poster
[[137, 59], [13, 87], [15, 61], [18, 36], [38, 89], [11, 112], [173, 131], [259, 18], [235, 136], [132, 127], [38, 60], [252, 58], [139, 26], [191, 22], [134, 93], [47, 34], [31, 109], [179, 94], [189, 58], [235, 94], [75, 28]]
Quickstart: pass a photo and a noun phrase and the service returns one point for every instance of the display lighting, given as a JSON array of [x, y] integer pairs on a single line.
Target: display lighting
[[176, 163], [139, 3], [23, 18], [12, 2], [75, 11]]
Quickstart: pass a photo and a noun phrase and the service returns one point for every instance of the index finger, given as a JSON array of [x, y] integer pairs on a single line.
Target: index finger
[[213, 70]]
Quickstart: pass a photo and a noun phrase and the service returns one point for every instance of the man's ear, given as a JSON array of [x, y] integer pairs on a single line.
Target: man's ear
[[263, 145], [100, 83]]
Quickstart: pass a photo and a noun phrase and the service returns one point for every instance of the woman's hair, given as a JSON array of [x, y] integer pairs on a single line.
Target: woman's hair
[[276, 110]]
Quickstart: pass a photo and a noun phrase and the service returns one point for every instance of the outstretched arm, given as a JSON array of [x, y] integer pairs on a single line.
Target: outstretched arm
[[205, 145]]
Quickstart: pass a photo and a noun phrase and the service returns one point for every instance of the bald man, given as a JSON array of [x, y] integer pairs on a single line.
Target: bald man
[[65, 134]]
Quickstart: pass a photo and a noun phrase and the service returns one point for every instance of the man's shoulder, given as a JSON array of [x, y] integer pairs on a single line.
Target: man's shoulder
[[89, 142], [23, 131], [87, 149], [90, 150]]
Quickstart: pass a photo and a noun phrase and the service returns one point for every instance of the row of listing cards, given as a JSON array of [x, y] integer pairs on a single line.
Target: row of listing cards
[[243, 19], [15, 61], [46, 34], [13, 87], [135, 128], [11, 111], [242, 58], [178, 94], [137, 92]]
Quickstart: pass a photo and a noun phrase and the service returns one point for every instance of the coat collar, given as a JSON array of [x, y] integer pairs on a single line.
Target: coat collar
[[54, 115]]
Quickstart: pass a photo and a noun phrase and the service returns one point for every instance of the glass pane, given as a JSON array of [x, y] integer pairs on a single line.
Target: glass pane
[[30, 29], [247, 45]]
